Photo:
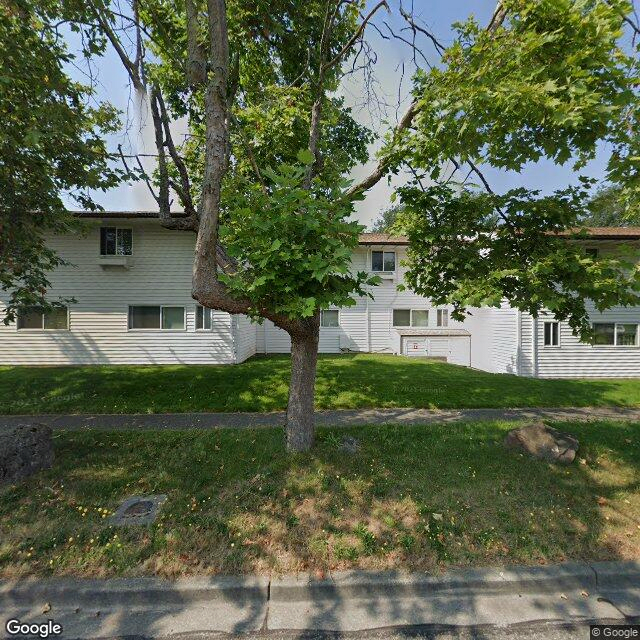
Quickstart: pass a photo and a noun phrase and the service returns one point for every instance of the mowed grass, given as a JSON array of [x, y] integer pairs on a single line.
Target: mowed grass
[[415, 498], [261, 384]]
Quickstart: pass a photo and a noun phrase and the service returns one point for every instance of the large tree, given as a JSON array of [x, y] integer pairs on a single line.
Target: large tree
[[261, 176]]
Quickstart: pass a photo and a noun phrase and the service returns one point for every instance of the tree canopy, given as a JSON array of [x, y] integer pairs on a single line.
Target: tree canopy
[[549, 80], [51, 144]]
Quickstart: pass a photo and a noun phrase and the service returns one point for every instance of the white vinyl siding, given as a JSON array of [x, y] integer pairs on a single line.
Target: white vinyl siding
[[160, 271], [577, 359]]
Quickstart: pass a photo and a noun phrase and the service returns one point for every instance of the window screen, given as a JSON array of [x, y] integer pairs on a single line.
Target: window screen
[[401, 317], [551, 334], [173, 318], [329, 318], [57, 319], [203, 318], [116, 242], [383, 261], [443, 317], [604, 333], [30, 318], [419, 318], [144, 317], [627, 335]]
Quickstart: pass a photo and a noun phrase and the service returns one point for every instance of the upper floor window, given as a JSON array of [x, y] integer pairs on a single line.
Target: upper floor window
[[156, 317], [204, 318], [592, 252], [329, 318], [443, 317], [410, 318], [551, 334], [383, 261], [615, 334], [115, 241], [36, 318]]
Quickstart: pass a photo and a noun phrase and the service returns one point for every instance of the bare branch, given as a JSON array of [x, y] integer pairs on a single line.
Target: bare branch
[[384, 163], [143, 173], [163, 174], [130, 65], [356, 35], [416, 28], [185, 185]]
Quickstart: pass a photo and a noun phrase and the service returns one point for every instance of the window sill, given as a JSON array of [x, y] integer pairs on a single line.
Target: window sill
[[115, 261], [43, 330], [157, 331]]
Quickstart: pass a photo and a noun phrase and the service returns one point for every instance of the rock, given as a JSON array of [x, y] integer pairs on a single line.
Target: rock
[[350, 444], [543, 442], [24, 450]]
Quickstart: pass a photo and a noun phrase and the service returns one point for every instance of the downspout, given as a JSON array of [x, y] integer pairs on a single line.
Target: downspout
[[234, 337], [534, 348], [368, 266], [518, 339]]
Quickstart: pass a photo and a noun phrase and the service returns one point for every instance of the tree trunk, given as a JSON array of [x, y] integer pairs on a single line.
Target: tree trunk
[[300, 427]]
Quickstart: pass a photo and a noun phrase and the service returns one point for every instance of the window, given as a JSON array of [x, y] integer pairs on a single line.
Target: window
[[551, 334], [612, 334], [443, 317], [329, 318], [626, 335], [410, 318], [383, 261], [592, 252], [157, 317], [419, 318], [402, 317], [115, 242], [35, 318], [204, 318]]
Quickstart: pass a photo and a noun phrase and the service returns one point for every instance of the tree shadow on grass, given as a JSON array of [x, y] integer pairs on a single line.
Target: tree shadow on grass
[[412, 498]]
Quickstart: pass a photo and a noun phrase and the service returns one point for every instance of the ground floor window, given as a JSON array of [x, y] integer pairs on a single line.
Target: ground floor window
[[204, 318], [410, 318], [156, 317], [36, 318], [329, 318], [615, 334], [443, 317], [551, 334]]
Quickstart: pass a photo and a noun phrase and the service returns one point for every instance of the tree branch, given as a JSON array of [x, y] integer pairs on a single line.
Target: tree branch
[[356, 35], [384, 163], [185, 185]]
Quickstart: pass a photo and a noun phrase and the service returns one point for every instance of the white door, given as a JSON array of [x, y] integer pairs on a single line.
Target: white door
[[415, 346]]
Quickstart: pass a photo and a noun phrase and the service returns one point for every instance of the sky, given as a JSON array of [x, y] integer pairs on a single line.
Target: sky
[[393, 72]]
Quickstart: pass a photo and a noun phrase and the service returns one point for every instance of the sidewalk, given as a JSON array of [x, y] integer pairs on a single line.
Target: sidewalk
[[353, 601], [342, 418]]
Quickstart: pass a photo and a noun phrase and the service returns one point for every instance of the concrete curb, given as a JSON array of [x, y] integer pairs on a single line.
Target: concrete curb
[[133, 591], [341, 585], [486, 582]]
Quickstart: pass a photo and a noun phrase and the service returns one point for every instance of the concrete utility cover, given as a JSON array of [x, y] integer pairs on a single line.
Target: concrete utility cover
[[138, 510]]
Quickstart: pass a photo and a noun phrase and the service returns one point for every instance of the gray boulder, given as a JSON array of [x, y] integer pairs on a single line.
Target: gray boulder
[[24, 450], [543, 442]]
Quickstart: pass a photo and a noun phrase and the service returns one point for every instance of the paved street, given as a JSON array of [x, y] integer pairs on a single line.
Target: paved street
[[529, 631]]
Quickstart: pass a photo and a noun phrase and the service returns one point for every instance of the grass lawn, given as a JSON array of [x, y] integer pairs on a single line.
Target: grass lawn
[[419, 498], [261, 384]]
